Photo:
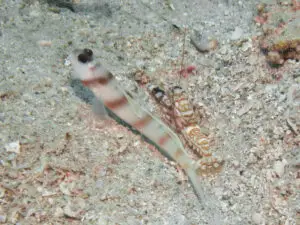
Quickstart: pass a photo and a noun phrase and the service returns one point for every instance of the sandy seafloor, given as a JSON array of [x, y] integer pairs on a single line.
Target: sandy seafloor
[[73, 168]]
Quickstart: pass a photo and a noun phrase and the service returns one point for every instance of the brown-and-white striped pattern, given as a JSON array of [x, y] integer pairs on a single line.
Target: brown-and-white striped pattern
[[186, 122], [106, 88]]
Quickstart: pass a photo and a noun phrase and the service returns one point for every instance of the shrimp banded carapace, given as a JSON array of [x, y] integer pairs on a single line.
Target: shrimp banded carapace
[[181, 115]]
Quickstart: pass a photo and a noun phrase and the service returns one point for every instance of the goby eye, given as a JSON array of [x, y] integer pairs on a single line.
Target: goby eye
[[88, 52], [83, 58]]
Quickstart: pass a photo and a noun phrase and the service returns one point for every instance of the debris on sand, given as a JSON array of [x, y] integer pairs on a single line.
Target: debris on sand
[[281, 31]]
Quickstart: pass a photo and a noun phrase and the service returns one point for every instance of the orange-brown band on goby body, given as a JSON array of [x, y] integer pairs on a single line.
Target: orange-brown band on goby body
[[164, 139], [142, 122], [94, 81], [116, 103], [97, 80]]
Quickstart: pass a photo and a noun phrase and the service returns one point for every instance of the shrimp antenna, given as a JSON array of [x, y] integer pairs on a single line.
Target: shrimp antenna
[[182, 56]]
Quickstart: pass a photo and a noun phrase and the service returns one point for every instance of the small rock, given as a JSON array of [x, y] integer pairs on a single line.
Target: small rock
[[51, 201], [252, 159], [74, 208], [202, 42], [3, 218], [68, 211], [224, 50], [13, 147], [59, 212], [120, 135], [226, 12], [236, 164], [140, 64], [213, 44], [279, 168], [236, 34], [67, 61], [246, 46], [45, 43], [257, 218], [64, 90]]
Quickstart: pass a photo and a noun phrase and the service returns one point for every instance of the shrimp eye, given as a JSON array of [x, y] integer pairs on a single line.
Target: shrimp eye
[[83, 58], [158, 90], [177, 89], [88, 52]]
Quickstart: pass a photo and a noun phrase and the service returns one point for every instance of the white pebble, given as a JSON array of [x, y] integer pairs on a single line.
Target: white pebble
[[67, 61], [257, 218], [201, 42], [44, 43], [3, 218], [140, 63], [13, 147], [236, 164], [59, 212], [236, 34], [279, 168], [51, 201]]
